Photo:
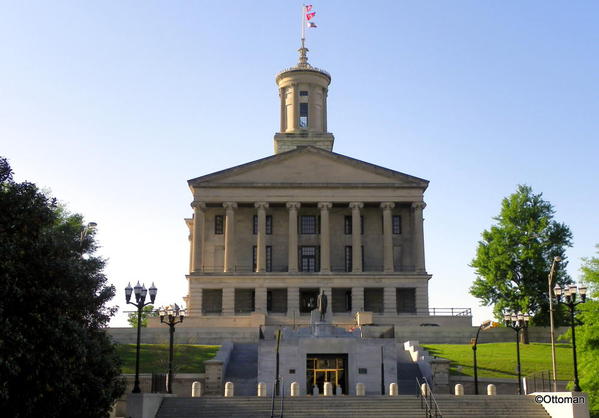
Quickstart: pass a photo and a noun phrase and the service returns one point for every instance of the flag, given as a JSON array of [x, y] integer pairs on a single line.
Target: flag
[[308, 7], [311, 25], [310, 15]]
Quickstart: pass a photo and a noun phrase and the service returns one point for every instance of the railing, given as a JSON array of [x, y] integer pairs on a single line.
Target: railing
[[427, 399], [450, 311], [539, 382]]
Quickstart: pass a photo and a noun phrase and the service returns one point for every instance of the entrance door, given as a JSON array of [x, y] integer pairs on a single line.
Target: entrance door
[[321, 368]]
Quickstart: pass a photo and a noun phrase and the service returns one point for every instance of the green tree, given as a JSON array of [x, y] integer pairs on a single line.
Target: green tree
[[587, 334], [514, 257], [147, 312], [56, 359]]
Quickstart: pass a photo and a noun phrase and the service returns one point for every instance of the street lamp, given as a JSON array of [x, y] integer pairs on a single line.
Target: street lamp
[[171, 316], [483, 327], [140, 292], [550, 280], [570, 295], [517, 322]]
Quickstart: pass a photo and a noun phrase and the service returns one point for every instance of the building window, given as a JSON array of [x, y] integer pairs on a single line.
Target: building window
[[268, 225], [309, 259], [303, 93], [406, 300], [276, 300], [309, 224], [341, 300], [219, 224], [303, 117], [212, 301], [268, 266], [347, 225], [396, 224], [349, 258]]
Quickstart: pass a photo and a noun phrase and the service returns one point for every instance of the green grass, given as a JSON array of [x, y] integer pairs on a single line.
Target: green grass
[[499, 359], [153, 358]]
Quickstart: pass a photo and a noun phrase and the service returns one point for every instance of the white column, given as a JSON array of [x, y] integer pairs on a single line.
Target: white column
[[356, 238], [228, 301], [292, 261], [197, 236], [295, 123], [387, 237], [229, 236], [261, 237], [325, 237], [418, 235]]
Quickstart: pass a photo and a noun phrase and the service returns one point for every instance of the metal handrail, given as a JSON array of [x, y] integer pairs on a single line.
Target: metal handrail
[[432, 407], [432, 396]]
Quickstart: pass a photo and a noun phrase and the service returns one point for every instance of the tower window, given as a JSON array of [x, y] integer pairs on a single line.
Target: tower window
[[303, 93], [303, 118]]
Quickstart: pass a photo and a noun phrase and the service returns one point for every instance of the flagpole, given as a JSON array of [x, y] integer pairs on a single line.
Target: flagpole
[[303, 24]]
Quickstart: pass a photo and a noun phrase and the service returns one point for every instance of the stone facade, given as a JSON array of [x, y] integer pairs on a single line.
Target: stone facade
[[267, 236]]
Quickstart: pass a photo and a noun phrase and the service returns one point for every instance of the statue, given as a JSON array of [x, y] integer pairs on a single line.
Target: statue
[[322, 305]]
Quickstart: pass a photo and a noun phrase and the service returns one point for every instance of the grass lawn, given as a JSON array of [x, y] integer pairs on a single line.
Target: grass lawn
[[153, 358], [499, 359]]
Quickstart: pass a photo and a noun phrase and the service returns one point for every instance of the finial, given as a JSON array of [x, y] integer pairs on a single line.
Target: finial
[[303, 56]]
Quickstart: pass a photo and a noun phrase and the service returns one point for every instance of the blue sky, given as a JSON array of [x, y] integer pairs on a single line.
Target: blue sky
[[114, 105]]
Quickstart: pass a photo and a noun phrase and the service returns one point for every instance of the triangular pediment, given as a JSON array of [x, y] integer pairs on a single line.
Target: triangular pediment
[[308, 165]]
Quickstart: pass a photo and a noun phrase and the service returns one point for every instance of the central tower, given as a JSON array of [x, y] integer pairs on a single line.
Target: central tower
[[303, 91]]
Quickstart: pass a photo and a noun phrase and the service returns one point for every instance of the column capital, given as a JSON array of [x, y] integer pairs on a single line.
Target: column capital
[[418, 205], [261, 205], [230, 205], [196, 204], [293, 205], [387, 205], [325, 205], [356, 205]]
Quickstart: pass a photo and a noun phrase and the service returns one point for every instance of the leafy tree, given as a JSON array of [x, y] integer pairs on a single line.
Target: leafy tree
[[147, 312], [56, 359], [514, 257], [587, 334]]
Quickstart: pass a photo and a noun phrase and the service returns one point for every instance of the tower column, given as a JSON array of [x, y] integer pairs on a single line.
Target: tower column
[[229, 236], [356, 238], [283, 109], [387, 237], [292, 259], [418, 235], [295, 122], [261, 237], [325, 237]]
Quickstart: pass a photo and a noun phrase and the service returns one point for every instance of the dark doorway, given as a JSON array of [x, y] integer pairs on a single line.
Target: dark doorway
[[308, 298], [321, 368]]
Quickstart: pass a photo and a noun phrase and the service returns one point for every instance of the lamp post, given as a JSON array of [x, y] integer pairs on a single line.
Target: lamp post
[[140, 292], [570, 301], [483, 327], [517, 322], [171, 316], [550, 280]]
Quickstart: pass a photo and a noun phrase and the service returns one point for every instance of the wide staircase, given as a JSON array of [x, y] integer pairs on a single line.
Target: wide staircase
[[242, 369], [403, 406]]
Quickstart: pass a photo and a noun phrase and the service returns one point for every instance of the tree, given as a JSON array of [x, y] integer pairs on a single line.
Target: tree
[[514, 257], [147, 312], [56, 359], [587, 334]]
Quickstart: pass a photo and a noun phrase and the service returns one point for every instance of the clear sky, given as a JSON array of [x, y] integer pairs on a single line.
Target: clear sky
[[113, 105]]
